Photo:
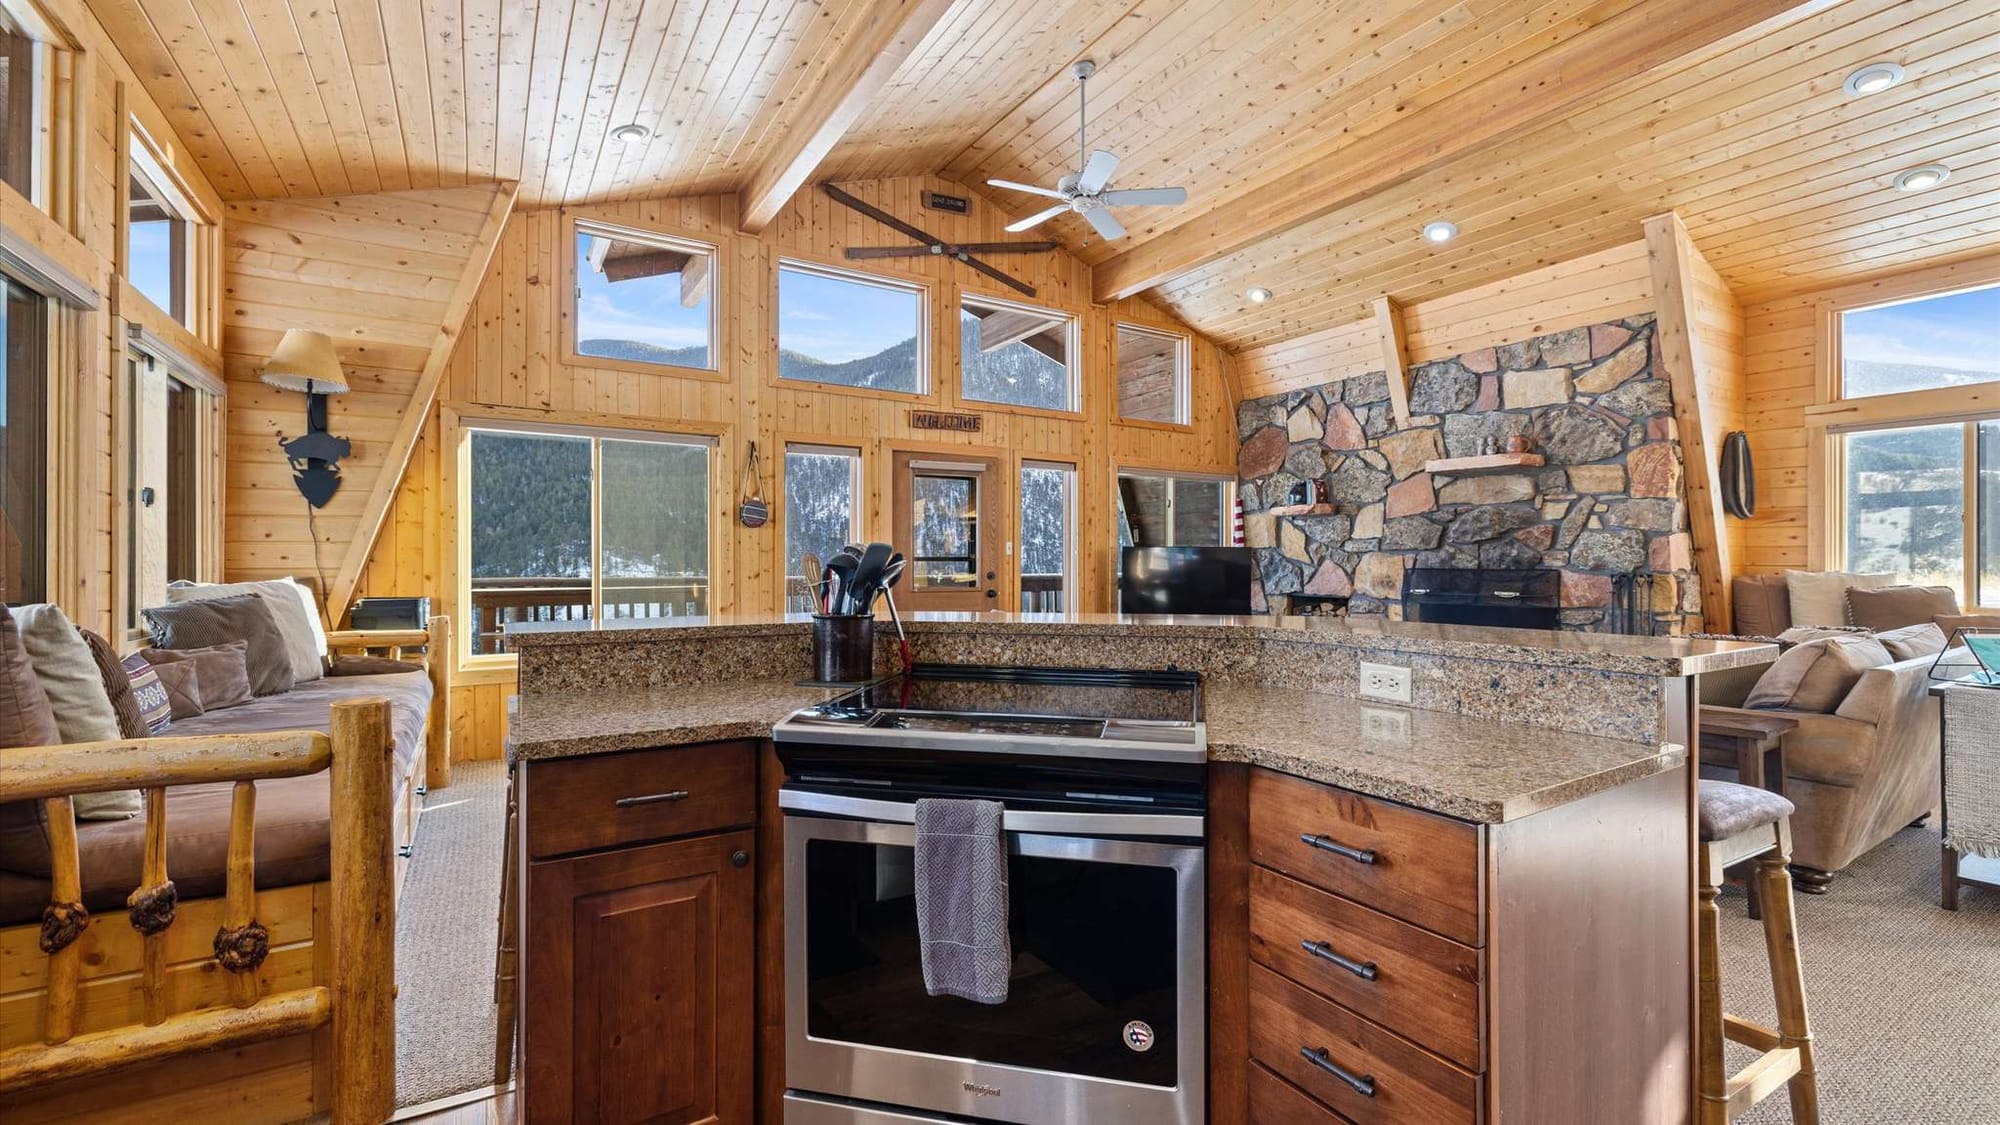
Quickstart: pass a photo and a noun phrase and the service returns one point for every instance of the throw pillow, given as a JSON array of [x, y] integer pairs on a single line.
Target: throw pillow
[[223, 671], [147, 690], [1952, 624], [181, 681], [83, 712], [117, 685], [210, 622], [25, 717], [1893, 607], [1816, 676], [1800, 634], [314, 620], [304, 646], [1913, 641], [1820, 597]]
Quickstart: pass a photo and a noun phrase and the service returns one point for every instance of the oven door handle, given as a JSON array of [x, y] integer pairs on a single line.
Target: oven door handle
[[1181, 825]]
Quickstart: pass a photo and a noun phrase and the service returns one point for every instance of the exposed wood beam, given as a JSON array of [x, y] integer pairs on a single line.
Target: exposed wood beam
[[860, 66], [1674, 260], [1559, 81], [422, 398], [1395, 355]]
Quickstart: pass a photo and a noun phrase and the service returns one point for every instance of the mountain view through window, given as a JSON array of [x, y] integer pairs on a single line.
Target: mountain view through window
[[1948, 341]]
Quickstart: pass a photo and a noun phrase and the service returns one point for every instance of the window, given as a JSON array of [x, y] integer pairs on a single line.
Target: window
[[1015, 354], [173, 420], [944, 527], [1162, 510], [26, 101], [644, 298], [821, 484], [575, 525], [24, 446], [156, 241], [849, 330], [1908, 509], [1152, 375], [1048, 513], [1925, 344]]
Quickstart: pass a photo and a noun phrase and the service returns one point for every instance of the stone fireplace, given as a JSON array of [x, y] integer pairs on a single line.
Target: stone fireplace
[[1607, 510]]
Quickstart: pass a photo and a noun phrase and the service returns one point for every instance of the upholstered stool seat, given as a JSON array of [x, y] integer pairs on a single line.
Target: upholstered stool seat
[[1740, 823]]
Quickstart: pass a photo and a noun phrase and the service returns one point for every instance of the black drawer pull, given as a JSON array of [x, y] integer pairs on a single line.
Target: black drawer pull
[[1358, 855], [1363, 969], [1318, 1056], [652, 799]]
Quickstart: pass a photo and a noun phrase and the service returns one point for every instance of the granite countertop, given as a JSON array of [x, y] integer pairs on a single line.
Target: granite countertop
[[1603, 652], [1474, 769]]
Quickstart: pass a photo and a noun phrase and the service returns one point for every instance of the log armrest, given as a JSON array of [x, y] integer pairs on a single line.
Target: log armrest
[[436, 642]]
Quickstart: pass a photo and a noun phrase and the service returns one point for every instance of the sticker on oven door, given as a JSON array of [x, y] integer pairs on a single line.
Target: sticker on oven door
[[1139, 1035]]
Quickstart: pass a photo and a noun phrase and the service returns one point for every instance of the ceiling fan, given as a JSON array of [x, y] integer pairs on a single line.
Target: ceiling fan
[[1085, 191]]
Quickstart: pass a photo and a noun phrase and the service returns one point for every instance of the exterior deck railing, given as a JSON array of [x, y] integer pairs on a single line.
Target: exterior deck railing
[[498, 602]]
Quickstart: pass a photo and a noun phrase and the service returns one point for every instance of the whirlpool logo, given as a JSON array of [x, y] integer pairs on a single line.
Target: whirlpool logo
[[981, 1089]]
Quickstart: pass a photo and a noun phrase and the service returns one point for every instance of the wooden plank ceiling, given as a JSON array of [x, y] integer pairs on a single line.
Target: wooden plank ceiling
[[1780, 176]]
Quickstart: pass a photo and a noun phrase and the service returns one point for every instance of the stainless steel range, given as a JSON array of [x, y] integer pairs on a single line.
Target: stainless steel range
[[1102, 777]]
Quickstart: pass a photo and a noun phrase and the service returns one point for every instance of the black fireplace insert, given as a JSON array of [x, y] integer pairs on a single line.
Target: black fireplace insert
[[1508, 599]]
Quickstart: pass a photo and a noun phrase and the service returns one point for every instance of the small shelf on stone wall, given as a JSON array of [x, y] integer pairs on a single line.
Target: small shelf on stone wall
[[1302, 510], [1490, 463]]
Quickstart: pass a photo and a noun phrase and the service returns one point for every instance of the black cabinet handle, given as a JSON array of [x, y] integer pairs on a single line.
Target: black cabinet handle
[[1358, 855], [652, 799], [740, 858], [1318, 1056], [1363, 969]]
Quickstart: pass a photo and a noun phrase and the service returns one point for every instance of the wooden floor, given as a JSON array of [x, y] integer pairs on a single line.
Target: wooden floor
[[492, 1107]]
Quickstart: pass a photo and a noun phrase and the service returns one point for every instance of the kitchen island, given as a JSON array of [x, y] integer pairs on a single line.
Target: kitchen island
[[1525, 912]]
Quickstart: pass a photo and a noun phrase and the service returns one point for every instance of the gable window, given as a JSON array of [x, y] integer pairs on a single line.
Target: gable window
[[24, 445], [1016, 355], [1929, 343], [27, 104], [850, 330], [157, 261], [644, 298], [173, 492], [581, 525], [821, 486], [1152, 375]]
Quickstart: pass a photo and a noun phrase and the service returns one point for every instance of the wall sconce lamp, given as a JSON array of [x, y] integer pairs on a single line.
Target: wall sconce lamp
[[305, 361]]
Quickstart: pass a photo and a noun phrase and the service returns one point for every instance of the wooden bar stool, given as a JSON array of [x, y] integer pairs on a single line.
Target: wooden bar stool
[[1738, 823]]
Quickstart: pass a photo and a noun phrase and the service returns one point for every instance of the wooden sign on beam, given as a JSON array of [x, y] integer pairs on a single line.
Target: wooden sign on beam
[[1395, 362]]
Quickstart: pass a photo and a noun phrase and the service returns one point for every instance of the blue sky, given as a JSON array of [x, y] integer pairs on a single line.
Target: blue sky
[[1960, 331], [151, 265], [648, 310], [838, 320]]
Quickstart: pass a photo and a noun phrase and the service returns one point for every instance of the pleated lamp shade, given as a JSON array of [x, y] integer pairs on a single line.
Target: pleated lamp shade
[[305, 362]]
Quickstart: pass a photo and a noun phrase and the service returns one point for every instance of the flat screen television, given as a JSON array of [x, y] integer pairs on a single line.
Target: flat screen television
[[1184, 580]]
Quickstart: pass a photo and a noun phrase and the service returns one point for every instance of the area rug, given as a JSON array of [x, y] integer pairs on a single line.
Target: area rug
[[1904, 996], [446, 930]]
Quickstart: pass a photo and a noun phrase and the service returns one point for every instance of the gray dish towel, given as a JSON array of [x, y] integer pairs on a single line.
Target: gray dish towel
[[962, 899]]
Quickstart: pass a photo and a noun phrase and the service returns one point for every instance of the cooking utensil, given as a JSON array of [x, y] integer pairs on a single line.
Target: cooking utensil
[[868, 577], [815, 577], [840, 582]]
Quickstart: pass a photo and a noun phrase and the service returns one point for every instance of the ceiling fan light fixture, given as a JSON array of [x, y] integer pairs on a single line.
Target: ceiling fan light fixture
[[1872, 79], [1921, 178], [630, 132], [1256, 294], [1440, 230]]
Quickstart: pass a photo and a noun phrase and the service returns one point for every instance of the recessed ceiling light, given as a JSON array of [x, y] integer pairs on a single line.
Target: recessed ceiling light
[[631, 132], [1257, 294], [1440, 231], [1872, 79], [1921, 179]]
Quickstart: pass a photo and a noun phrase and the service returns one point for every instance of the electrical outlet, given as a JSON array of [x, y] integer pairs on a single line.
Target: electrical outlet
[[1385, 682]]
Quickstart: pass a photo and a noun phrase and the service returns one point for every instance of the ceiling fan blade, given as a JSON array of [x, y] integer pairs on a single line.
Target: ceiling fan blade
[[1096, 172], [1031, 189], [1036, 219], [1146, 197], [1108, 227]]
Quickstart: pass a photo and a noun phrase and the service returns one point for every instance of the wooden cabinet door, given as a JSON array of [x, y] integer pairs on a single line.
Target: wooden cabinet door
[[638, 979]]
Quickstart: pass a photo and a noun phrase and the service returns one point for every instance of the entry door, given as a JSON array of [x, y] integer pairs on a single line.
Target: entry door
[[947, 523]]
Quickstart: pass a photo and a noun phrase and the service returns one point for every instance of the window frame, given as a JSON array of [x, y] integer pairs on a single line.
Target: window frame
[[47, 147], [927, 383], [462, 428], [1183, 377], [1172, 476], [857, 520], [146, 167], [54, 458], [1836, 455], [720, 327], [1072, 350]]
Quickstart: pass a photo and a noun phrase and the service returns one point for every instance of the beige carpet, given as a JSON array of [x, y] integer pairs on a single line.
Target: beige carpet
[[446, 929], [1904, 996]]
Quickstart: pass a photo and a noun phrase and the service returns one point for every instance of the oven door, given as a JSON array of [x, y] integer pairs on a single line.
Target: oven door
[[1106, 1010]]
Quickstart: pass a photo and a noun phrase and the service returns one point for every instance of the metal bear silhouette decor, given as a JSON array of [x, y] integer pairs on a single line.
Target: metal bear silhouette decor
[[315, 455]]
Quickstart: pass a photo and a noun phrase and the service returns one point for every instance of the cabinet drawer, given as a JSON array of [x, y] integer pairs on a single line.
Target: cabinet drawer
[[1409, 980], [1272, 1099], [1363, 1072], [1417, 866], [576, 804]]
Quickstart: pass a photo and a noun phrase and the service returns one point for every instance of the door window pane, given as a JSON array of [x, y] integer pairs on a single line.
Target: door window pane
[[841, 328], [1152, 375], [24, 464], [1947, 341], [653, 527], [1905, 502], [156, 248], [644, 298], [944, 528], [530, 532], [186, 409], [1047, 493], [819, 514], [1014, 354]]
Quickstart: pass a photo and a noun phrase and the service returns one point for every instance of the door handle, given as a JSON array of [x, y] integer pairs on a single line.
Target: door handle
[[992, 593]]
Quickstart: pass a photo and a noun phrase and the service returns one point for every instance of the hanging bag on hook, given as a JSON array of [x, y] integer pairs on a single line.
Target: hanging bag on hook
[[753, 512]]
